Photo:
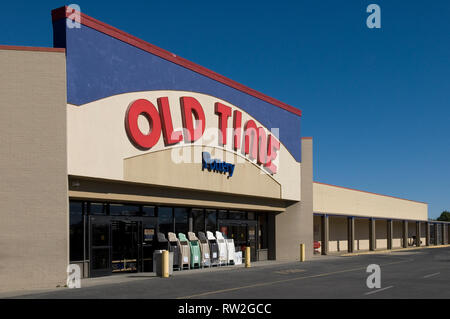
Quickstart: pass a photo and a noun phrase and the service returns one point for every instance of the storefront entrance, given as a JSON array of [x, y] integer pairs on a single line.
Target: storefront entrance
[[243, 232], [109, 238], [121, 244]]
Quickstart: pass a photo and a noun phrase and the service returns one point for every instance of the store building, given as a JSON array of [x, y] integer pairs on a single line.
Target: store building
[[108, 140]]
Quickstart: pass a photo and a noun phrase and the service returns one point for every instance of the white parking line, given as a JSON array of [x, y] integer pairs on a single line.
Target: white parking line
[[378, 290], [431, 275]]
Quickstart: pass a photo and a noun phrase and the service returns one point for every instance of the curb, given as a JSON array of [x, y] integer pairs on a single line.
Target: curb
[[392, 250]]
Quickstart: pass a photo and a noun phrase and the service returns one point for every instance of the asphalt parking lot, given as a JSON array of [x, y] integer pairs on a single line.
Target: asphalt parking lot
[[422, 273]]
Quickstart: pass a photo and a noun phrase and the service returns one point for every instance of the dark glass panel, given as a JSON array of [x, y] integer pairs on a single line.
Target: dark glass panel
[[100, 259], [100, 235], [211, 220], [148, 211], [198, 217], [237, 215], [181, 220], [76, 231], [124, 210], [165, 219], [222, 214], [97, 208]]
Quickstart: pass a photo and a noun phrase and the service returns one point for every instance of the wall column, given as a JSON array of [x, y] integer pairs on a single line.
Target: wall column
[[447, 226], [296, 225], [372, 235], [436, 242], [325, 234], [390, 229], [427, 234], [444, 234], [448, 233], [405, 234], [351, 234], [418, 234]]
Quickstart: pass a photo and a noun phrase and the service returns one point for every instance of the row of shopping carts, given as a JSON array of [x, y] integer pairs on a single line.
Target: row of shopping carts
[[198, 252]]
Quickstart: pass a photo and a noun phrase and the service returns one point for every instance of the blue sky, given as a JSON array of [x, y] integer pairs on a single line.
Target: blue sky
[[376, 101]]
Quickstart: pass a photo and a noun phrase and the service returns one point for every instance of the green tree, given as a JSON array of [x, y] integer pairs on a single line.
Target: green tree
[[445, 216]]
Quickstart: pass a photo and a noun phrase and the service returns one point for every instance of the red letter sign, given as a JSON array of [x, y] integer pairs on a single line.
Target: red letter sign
[[251, 130], [237, 122], [189, 107], [224, 113], [262, 146], [170, 137], [272, 150], [147, 109]]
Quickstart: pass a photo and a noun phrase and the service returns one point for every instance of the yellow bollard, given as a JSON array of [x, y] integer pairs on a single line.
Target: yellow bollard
[[302, 252], [165, 264], [247, 257]]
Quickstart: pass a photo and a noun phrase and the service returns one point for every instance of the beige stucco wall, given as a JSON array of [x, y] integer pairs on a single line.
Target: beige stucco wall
[[337, 200], [98, 129], [361, 234], [338, 234], [295, 226], [247, 180], [397, 234], [381, 234], [33, 170]]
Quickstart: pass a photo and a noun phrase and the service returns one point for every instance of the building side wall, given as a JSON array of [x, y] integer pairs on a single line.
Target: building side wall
[[337, 200], [33, 170]]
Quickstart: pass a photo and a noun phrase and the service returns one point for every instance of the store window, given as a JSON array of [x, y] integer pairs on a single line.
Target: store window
[[222, 214], [198, 219], [124, 210], [148, 211], [211, 220], [76, 231], [98, 208], [181, 221], [165, 219], [237, 215]]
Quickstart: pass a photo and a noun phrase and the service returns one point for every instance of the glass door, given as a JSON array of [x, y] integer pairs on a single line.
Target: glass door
[[243, 232], [100, 252], [126, 245], [149, 230]]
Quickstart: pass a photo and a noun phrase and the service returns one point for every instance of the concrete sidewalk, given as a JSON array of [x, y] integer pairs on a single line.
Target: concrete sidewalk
[[130, 277]]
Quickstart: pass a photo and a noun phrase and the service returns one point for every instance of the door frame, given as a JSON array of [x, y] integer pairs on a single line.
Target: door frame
[[105, 220]]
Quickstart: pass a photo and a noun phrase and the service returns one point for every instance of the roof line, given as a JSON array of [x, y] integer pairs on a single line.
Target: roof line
[[358, 190], [67, 12], [24, 48]]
